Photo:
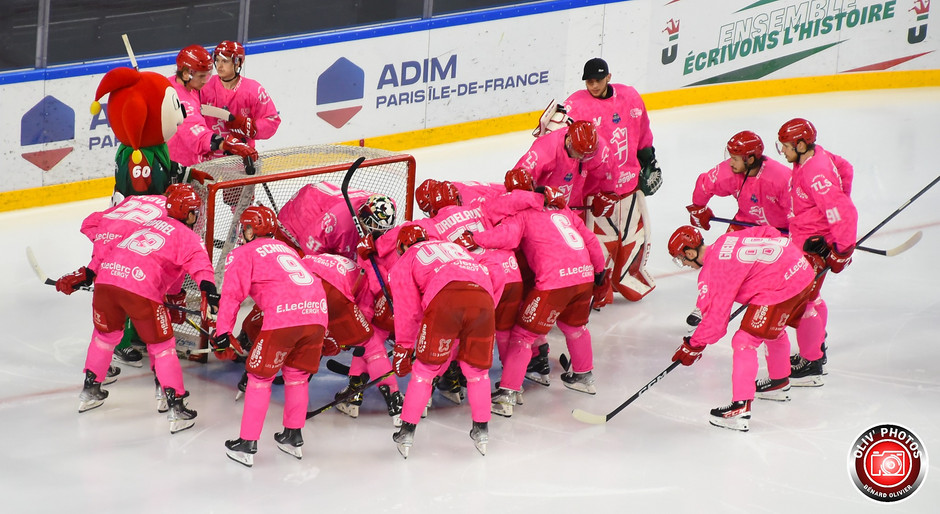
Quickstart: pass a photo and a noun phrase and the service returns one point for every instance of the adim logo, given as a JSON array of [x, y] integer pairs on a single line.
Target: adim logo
[[47, 123], [340, 90]]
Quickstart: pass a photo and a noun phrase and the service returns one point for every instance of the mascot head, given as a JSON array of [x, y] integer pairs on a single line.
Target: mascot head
[[143, 108]]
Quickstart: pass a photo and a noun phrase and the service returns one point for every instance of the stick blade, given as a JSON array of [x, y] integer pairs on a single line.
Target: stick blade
[[33, 263], [905, 246], [587, 417]]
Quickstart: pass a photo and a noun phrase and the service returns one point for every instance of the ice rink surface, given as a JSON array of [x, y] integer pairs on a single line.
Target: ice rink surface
[[659, 454]]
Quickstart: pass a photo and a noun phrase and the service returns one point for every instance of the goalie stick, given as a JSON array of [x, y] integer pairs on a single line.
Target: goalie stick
[[890, 252], [130, 51], [349, 394], [598, 419]]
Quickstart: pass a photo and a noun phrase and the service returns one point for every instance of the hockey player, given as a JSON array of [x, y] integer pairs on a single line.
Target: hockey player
[[194, 141], [760, 184], [569, 268], [824, 225], [246, 100], [441, 296], [291, 337], [755, 266], [132, 280], [618, 191]]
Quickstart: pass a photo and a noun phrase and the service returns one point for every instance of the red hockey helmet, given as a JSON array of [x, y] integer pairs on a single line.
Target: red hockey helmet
[[194, 58], [377, 214], [231, 50], [261, 219], [683, 238], [518, 178], [423, 195], [796, 130], [443, 195], [409, 235], [583, 138], [746, 144], [182, 200]]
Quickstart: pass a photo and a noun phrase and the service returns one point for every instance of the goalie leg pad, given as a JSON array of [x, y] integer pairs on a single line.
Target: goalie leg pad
[[631, 279]]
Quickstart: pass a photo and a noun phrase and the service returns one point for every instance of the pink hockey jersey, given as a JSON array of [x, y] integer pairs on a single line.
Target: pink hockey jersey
[[820, 204], [844, 168], [623, 124], [340, 272], [560, 250], [151, 260], [318, 219], [192, 142], [421, 273], [763, 199], [104, 228], [478, 193], [549, 164], [756, 265], [248, 99], [271, 273]]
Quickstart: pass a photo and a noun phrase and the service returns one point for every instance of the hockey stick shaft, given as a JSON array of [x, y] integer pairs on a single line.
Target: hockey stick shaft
[[352, 212], [130, 51], [349, 394], [595, 419]]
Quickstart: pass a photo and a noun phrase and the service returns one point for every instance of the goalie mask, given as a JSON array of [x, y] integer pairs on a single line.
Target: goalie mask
[[377, 215]]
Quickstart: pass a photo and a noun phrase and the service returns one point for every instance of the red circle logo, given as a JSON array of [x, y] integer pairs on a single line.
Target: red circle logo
[[887, 463]]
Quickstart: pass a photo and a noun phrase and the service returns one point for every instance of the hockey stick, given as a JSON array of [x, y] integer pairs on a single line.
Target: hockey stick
[[349, 394], [341, 369], [352, 212], [597, 419], [890, 252], [130, 51]]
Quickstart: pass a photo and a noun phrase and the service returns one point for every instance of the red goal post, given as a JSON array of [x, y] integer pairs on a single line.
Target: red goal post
[[279, 174]]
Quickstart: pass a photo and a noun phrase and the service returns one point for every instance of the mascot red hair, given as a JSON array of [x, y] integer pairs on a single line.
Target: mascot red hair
[[144, 112]]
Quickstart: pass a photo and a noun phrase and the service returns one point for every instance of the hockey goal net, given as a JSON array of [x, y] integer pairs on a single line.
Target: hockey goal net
[[278, 175]]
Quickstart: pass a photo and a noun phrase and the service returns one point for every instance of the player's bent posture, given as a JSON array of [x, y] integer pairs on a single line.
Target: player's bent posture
[[132, 279], [568, 265], [755, 266], [442, 296], [824, 225], [291, 335]]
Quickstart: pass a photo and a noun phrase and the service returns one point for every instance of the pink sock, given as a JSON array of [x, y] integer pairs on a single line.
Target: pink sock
[[812, 330], [167, 365], [296, 393], [517, 360], [419, 391], [478, 392], [257, 398], [502, 344], [579, 346], [378, 365], [357, 366], [744, 365], [778, 356], [100, 351]]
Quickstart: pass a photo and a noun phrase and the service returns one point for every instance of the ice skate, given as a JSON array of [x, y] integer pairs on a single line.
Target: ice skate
[[241, 451], [449, 384], [393, 401], [289, 441], [179, 415], [795, 359], [538, 369], [350, 406], [405, 438], [693, 319], [481, 435], [502, 401], [734, 416], [129, 356], [777, 390], [242, 386], [582, 382], [159, 396], [92, 394], [113, 372], [807, 373]]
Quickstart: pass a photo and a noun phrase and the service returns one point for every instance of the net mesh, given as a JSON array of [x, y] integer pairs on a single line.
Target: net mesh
[[278, 175]]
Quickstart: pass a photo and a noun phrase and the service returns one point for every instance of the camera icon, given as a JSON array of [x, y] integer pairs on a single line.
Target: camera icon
[[887, 464]]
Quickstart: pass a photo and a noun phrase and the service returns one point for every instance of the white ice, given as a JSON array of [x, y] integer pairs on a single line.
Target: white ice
[[659, 454]]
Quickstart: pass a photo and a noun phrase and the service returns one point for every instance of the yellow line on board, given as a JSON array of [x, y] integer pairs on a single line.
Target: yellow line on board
[[99, 188]]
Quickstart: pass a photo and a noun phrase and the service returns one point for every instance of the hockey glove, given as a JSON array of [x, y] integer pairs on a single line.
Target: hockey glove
[[601, 287], [234, 146], [209, 305], [330, 347], [837, 261], [688, 354], [817, 245], [603, 204], [200, 176], [402, 359], [243, 127], [466, 240], [366, 247], [383, 317], [221, 341], [553, 197], [700, 216], [651, 177], [177, 300], [78, 279]]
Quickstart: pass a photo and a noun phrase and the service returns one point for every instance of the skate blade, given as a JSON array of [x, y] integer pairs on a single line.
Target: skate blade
[[239, 395], [87, 405], [481, 447], [348, 409], [162, 407], [581, 388], [740, 425], [538, 378], [181, 424], [501, 409], [396, 420], [776, 396], [452, 396], [813, 381], [245, 459], [295, 451], [404, 449], [135, 364]]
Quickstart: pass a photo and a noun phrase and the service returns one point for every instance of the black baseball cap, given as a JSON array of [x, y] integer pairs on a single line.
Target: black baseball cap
[[595, 68]]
